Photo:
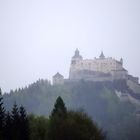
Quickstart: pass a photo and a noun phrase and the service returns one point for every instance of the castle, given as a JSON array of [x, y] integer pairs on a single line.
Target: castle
[[97, 69]]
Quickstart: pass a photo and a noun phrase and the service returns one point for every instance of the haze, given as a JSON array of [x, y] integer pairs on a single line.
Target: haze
[[38, 38]]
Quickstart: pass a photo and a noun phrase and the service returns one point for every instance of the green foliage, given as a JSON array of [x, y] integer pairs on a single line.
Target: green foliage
[[71, 125], [13, 126], [78, 125], [24, 125], [59, 108], [38, 127], [15, 122], [97, 98], [8, 127]]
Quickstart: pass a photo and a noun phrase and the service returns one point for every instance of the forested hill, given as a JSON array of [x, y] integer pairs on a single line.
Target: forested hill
[[40, 96], [98, 99]]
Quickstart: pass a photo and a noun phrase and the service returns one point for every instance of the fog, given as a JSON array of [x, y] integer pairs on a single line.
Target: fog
[[39, 37]]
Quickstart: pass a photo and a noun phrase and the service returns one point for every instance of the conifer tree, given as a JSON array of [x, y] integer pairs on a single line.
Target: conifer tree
[[70, 125], [59, 108], [2, 117], [15, 113], [15, 122], [24, 125], [58, 115], [8, 127]]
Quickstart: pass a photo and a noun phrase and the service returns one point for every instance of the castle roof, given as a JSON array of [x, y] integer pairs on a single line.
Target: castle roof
[[58, 75], [102, 55], [77, 54]]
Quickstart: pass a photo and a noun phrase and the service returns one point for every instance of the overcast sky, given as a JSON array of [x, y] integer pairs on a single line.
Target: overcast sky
[[39, 37]]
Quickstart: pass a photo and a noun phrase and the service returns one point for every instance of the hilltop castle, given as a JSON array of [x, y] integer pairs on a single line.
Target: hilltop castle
[[97, 69]]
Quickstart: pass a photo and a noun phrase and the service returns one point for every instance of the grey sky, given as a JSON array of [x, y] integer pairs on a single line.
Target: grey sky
[[38, 37]]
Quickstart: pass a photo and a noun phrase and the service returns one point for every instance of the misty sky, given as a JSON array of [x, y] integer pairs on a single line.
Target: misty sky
[[39, 37]]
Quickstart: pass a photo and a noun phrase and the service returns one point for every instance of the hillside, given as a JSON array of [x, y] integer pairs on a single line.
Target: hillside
[[98, 99]]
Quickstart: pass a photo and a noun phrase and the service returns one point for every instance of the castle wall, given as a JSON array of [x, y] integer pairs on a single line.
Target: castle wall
[[106, 65], [135, 87], [58, 81], [91, 75], [132, 78], [102, 65], [119, 74]]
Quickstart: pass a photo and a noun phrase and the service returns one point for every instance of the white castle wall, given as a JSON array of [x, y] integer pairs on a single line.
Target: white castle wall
[[106, 65], [102, 65]]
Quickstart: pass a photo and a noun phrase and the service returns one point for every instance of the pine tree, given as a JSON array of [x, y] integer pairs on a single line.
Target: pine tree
[[15, 122], [70, 125], [2, 117], [15, 113], [58, 115], [59, 108], [8, 127], [24, 125]]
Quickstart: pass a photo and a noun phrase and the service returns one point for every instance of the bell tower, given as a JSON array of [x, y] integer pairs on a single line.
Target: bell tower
[[77, 57]]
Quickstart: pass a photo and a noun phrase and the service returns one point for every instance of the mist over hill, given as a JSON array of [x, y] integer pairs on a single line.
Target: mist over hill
[[99, 99]]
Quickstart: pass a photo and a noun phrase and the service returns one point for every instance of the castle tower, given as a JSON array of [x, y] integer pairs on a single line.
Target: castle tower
[[121, 60], [77, 57], [58, 79], [102, 56]]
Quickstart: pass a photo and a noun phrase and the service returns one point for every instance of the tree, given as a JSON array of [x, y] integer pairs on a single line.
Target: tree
[[8, 127], [79, 125], [72, 125], [24, 125], [2, 116], [38, 127], [58, 115], [59, 108], [15, 122]]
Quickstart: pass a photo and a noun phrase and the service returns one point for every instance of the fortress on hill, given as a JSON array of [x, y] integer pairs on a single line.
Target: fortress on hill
[[102, 69], [97, 69]]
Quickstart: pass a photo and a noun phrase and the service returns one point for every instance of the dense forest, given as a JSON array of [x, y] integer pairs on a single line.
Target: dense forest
[[60, 125], [98, 99]]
